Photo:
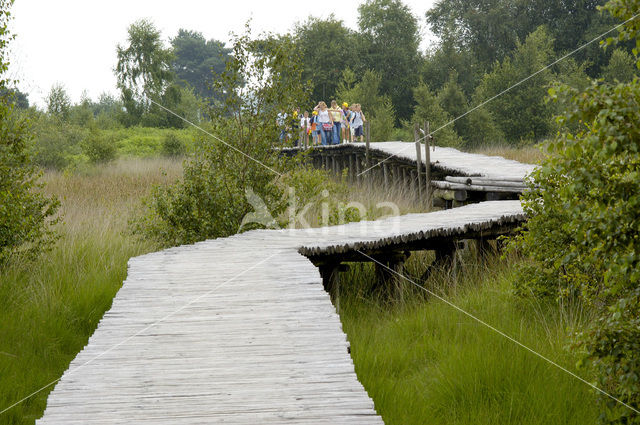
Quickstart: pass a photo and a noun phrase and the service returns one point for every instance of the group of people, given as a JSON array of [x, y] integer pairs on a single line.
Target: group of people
[[326, 126]]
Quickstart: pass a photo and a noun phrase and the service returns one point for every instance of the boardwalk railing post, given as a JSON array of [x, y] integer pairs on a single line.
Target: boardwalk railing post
[[367, 127], [416, 134], [427, 161], [367, 141]]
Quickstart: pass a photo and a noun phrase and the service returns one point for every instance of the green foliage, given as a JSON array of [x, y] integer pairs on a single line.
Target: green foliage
[[143, 70], [382, 119], [144, 65], [172, 146], [582, 236], [621, 67], [56, 144], [377, 108], [98, 147], [82, 113], [389, 45], [583, 230], [454, 102], [327, 48], [197, 60], [572, 73], [492, 29], [428, 109], [18, 98], [521, 113], [25, 214], [59, 145], [212, 198], [58, 103], [448, 57]]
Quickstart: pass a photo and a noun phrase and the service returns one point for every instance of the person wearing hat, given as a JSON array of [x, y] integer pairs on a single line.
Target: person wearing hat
[[315, 132], [336, 117], [346, 132]]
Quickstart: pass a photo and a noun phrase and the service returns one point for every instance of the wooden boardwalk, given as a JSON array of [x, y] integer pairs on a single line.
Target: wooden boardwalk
[[240, 330], [444, 161]]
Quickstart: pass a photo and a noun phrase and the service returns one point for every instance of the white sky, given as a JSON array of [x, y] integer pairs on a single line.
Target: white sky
[[73, 42]]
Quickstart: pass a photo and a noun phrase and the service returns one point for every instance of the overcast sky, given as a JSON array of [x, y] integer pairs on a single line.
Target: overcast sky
[[73, 42]]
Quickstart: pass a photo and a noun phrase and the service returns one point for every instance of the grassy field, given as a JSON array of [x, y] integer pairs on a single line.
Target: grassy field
[[423, 362], [49, 309]]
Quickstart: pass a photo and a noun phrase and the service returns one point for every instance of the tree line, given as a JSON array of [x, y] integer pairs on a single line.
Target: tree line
[[484, 47]]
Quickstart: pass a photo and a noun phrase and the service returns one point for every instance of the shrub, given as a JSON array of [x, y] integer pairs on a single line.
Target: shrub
[[582, 237], [172, 146], [55, 142], [99, 147]]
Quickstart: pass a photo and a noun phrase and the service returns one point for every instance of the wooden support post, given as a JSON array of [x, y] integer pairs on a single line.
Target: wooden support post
[[445, 257], [351, 174], [358, 176], [416, 134], [412, 175], [367, 141], [330, 276], [398, 282], [389, 269], [484, 248], [385, 174], [334, 164], [427, 160], [446, 254]]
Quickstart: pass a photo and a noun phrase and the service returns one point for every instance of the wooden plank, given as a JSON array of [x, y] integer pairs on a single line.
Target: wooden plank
[[427, 162], [472, 187], [480, 181], [416, 135]]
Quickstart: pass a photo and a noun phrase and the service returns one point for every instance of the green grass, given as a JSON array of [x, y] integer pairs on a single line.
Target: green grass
[[49, 308], [144, 142], [423, 362]]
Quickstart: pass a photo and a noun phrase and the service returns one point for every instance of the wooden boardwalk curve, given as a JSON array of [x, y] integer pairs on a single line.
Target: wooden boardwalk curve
[[443, 160], [239, 330]]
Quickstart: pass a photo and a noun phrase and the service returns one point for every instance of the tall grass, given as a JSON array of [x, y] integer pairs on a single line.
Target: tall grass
[[370, 197], [423, 362], [48, 309], [530, 154]]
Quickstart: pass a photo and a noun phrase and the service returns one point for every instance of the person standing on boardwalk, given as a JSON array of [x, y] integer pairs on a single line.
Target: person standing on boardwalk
[[315, 130], [346, 114], [305, 126], [293, 125], [357, 122], [336, 117], [325, 123]]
